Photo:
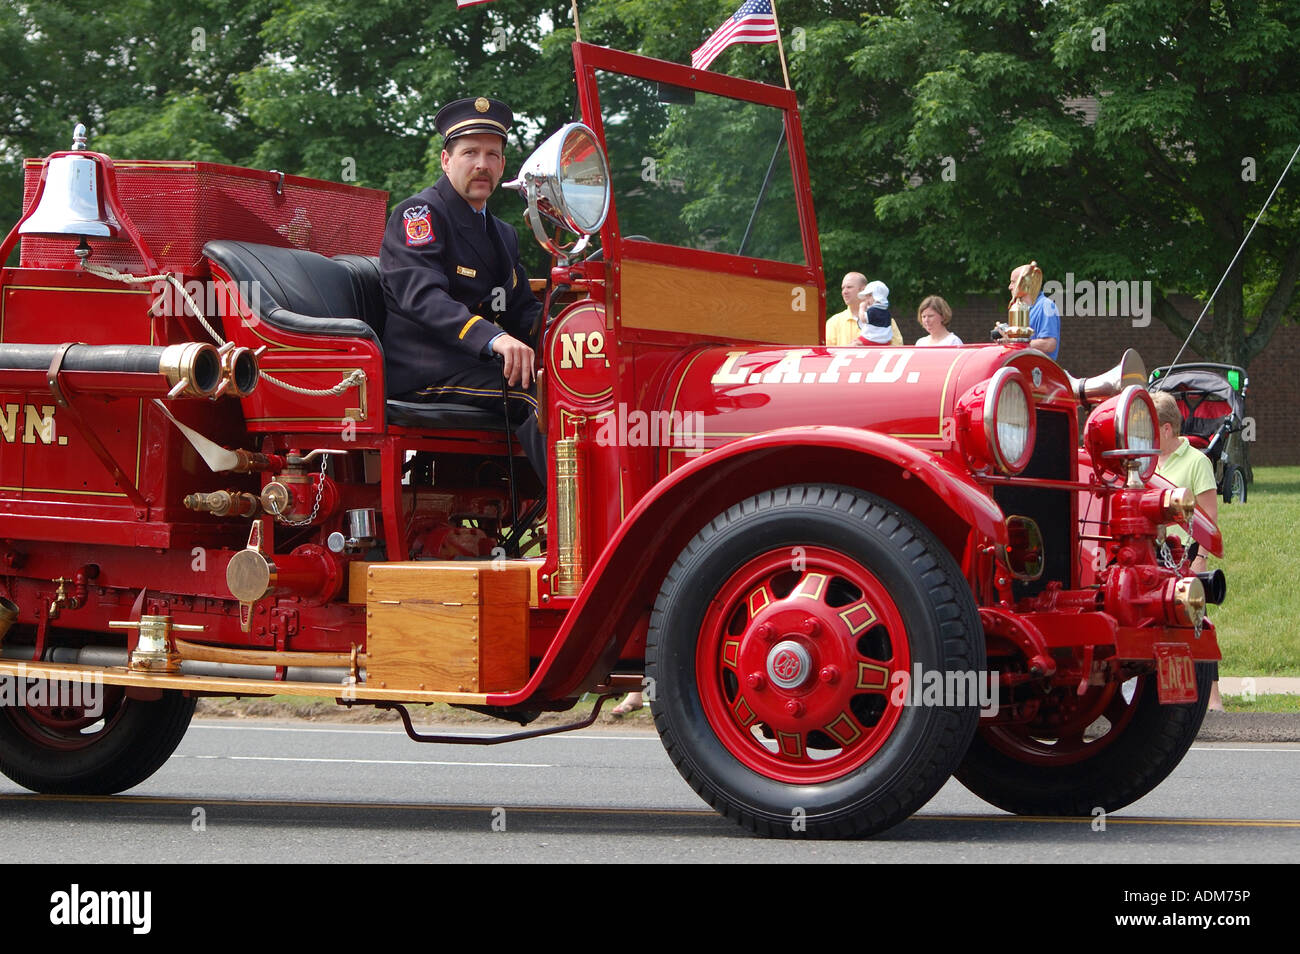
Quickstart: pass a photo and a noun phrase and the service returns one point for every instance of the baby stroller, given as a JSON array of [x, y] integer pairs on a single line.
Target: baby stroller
[[1212, 398]]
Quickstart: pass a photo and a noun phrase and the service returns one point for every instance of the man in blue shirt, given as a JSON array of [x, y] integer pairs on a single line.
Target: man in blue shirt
[[1044, 318]]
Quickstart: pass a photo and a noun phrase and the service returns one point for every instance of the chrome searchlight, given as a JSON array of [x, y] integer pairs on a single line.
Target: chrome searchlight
[[566, 182]]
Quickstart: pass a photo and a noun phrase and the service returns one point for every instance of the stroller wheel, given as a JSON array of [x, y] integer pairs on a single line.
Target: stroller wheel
[[1234, 485]]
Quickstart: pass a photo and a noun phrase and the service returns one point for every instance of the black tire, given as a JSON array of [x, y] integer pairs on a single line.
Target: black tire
[[912, 603], [56, 752], [1130, 762], [1234, 485]]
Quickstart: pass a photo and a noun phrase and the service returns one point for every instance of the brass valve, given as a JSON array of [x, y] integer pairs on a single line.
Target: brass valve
[[154, 650], [224, 503]]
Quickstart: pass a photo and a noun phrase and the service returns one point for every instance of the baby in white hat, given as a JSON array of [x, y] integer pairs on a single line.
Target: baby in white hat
[[874, 319]]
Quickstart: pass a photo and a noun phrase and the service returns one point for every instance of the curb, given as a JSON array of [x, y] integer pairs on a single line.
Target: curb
[[1250, 727]]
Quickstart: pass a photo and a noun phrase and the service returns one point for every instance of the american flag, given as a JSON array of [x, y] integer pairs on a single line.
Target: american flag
[[754, 22]]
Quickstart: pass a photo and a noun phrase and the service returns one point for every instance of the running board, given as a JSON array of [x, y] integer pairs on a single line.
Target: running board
[[229, 686]]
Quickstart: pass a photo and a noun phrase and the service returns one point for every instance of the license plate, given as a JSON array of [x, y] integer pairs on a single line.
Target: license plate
[[1175, 673]]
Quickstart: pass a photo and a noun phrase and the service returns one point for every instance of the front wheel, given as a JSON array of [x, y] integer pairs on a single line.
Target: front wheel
[[781, 648], [1234, 485], [1101, 751], [89, 739]]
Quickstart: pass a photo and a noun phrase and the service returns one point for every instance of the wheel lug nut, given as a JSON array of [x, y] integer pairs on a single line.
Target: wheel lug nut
[[765, 631], [811, 626], [829, 674], [795, 708], [756, 681]]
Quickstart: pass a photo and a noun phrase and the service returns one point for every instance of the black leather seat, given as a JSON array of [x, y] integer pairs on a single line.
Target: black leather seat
[[298, 291], [310, 294], [368, 288], [441, 416]]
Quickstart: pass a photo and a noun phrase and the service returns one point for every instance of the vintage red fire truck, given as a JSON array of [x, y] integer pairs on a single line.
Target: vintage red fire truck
[[844, 574]]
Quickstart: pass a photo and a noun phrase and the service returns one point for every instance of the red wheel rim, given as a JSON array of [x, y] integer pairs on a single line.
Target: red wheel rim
[[72, 726], [1060, 736], [795, 664]]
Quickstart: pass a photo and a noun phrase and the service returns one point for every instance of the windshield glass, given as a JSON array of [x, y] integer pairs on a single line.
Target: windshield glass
[[698, 170]]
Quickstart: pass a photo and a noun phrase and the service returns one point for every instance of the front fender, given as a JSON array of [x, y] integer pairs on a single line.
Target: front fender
[[622, 585]]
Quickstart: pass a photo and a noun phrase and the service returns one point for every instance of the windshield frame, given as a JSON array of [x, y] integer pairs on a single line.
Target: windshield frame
[[589, 60]]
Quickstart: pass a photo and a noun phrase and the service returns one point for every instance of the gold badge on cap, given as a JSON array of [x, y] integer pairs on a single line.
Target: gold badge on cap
[[482, 105]]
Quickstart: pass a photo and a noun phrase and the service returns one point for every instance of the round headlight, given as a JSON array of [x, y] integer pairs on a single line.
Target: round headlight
[[1138, 429], [1126, 422], [1009, 420], [584, 179]]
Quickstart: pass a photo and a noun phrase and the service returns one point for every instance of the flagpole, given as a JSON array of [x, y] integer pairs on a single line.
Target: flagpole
[[780, 47], [577, 31]]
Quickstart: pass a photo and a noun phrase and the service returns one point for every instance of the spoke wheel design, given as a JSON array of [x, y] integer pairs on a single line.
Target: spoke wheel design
[[1237, 486], [68, 728], [1106, 752], [94, 741], [1074, 728], [774, 647], [796, 666]]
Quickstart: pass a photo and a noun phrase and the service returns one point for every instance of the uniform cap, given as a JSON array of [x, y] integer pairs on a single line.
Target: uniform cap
[[466, 117]]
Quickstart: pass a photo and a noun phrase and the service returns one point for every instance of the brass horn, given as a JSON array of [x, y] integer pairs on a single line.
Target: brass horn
[[1094, 390]]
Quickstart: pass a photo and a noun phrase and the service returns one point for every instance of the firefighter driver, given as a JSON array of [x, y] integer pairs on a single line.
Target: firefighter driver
[[458, 299]]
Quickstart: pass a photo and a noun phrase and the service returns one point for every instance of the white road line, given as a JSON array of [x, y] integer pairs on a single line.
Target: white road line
[[280, 758], [648, 736], [398, 733]]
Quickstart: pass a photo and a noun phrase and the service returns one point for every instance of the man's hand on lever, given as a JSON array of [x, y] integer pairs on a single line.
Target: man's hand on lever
[[517, 360]]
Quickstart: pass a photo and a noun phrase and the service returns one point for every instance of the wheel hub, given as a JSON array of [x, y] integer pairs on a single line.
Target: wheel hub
[[797, 664], [789, 664]]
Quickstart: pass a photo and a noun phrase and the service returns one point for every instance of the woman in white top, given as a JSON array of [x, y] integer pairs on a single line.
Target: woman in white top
[[934, 316]]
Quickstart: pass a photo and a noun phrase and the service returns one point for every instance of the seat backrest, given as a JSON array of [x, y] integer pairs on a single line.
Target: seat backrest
[[368, 288], [296, 290]]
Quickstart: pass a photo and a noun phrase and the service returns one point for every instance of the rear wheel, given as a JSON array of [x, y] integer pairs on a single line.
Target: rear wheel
[[1103, 750], [92, 740], [779, 649]]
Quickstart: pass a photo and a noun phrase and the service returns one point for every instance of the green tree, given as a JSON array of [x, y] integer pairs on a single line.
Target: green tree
[[1191, 97], [149, 78]]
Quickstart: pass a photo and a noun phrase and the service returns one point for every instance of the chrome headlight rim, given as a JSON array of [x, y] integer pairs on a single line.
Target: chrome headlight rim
[[549, 184], [1002, 379], [1125, 440]]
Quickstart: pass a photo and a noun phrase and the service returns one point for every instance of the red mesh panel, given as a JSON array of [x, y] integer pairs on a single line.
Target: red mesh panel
[[180, 206]]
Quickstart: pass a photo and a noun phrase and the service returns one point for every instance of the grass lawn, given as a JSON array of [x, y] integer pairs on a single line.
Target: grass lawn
[[1259, 621], [1272, 702]]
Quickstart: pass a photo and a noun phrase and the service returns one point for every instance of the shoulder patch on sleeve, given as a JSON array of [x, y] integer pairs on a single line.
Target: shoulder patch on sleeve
[[419, 225]]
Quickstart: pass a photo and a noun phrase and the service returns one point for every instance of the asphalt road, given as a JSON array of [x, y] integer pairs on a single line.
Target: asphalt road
[[267, 792]]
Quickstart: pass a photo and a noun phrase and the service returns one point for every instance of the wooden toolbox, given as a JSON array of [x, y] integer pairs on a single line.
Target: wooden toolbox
[[447, 626]]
